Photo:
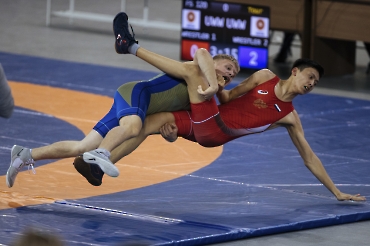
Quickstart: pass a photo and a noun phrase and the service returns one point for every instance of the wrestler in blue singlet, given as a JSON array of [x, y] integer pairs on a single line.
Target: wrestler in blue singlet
[[159, 94]]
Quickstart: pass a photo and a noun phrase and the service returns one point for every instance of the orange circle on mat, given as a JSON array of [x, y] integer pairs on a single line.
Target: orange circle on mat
[[155, 161]]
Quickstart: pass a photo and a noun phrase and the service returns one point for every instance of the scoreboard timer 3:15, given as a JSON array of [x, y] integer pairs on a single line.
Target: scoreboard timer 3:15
[[240, 30]]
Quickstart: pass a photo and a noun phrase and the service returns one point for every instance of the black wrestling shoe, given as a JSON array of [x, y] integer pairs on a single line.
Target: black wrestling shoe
[[124, 39], [91, 172]]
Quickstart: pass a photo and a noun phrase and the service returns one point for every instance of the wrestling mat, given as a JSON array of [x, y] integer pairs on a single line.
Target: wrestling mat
[[179, 193]]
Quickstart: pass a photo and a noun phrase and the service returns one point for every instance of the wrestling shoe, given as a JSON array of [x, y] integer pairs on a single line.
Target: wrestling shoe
[[20, 156], [124, 39], [100, 157], [91, 172]]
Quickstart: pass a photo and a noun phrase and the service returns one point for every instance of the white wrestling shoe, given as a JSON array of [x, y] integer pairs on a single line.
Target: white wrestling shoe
[[100, 157], [20, 156]]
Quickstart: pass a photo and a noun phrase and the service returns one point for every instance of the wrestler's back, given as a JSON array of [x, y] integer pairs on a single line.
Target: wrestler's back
[[162, 93]]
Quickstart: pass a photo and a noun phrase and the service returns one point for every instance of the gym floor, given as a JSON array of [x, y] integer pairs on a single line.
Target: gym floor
[[24, 32]]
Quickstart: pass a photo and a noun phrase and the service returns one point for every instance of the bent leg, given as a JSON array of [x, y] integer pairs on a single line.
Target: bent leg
[[201, 73], [151, 126], [130, 126], [66, 149], [165, 64], [94, 173]]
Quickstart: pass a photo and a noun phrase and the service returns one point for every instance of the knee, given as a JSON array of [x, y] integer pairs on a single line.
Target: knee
[[130, 126], [135, 130], [129, 131]]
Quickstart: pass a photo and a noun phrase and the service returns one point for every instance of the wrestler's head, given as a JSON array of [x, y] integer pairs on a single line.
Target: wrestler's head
[[226, 66], [306, 73], [303, 63]]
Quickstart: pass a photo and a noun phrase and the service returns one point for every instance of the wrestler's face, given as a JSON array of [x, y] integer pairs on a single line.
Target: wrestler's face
[[305, 80], [226, 68]]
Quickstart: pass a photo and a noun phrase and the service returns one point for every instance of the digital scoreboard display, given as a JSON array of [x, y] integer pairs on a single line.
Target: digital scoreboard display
[[240, 30]]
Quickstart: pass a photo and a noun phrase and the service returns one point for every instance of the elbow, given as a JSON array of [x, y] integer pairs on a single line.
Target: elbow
[[222, 100], [201, 54], [307, 164], [202, 51], [310, 161]]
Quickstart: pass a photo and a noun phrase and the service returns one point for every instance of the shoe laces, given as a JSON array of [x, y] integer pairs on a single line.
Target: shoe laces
[[104, 153], [132, 31], [29, 164]]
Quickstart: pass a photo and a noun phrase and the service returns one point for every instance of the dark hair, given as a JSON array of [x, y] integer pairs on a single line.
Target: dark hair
[[305, 63]]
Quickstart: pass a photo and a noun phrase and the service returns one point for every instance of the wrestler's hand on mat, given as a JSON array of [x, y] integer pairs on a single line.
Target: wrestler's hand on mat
[[348, 197], [169, 132]]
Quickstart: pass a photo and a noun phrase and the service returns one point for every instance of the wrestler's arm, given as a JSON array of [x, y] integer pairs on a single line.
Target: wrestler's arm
[[203, 62], [246, 85], [169, 132], [311, 161]]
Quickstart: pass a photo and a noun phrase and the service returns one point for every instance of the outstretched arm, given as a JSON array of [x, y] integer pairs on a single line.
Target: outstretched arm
[[312, 162], [245, 86]]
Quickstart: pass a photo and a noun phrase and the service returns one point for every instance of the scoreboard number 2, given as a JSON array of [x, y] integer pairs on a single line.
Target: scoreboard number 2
[[254, 58]]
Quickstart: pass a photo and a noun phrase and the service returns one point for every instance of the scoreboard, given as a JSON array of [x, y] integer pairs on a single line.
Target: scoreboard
[[240, 30]]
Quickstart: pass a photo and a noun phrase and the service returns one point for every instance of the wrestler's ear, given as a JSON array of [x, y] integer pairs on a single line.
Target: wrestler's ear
[[294, 71]]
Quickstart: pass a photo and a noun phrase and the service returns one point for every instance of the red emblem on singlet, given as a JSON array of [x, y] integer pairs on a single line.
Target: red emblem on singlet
[[259, 103]]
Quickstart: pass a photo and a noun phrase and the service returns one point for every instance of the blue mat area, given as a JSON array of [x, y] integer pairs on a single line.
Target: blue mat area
[[76, 76], [258, 186]]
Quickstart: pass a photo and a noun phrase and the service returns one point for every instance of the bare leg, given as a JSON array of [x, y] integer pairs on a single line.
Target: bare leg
[[200, 73], [129, 127], [126, 148], [151, 126], [65, 149], [165, 64]]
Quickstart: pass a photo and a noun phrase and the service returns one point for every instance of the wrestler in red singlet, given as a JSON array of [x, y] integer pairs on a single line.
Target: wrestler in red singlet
[[211, 125]]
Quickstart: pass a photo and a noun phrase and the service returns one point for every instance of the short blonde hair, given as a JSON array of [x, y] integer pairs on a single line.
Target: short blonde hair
[[228, 57]]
